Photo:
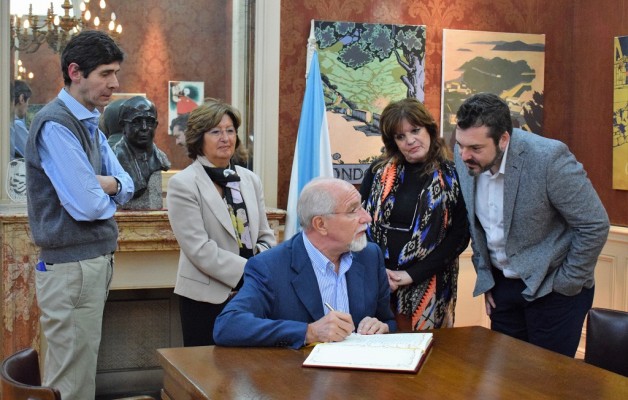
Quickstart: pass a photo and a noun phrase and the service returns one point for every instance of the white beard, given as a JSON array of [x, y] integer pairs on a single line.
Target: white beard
[[358, 243]]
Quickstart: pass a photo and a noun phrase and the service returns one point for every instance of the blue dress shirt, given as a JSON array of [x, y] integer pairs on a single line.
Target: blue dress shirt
[[19, 136], [70, 171], [332, 285]]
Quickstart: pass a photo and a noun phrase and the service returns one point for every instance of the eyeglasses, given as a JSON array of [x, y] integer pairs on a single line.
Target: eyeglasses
[[216, 132], [353, 212], [143, 123], [408, 229]]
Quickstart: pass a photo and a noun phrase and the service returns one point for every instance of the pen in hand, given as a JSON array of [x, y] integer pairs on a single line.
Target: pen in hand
[[330, 308]]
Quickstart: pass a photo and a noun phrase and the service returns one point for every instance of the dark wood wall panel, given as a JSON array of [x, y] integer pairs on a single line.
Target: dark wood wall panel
[[578, 66], [190, 40], [163, 40], [596, 24]]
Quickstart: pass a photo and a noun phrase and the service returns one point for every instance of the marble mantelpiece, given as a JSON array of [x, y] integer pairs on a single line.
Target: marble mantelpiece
[[20, 316], [146, 258]]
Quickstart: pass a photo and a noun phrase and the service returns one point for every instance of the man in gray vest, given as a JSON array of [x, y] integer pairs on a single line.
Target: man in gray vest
[[73, 183]]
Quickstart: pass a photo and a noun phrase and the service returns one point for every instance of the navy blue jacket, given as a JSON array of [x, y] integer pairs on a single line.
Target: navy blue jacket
[[280, 297]]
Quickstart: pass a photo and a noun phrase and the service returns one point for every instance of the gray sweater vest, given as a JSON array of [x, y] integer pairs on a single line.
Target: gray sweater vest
[[61, 237]]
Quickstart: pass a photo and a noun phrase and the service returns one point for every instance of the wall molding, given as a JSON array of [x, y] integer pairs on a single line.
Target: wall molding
[[266, 97], [611, 289]]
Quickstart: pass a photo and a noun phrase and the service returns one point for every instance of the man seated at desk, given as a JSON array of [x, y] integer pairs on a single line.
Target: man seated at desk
[[313, 287]]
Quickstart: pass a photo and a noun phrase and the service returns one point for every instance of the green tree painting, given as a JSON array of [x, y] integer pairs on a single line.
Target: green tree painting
[[364, 67]]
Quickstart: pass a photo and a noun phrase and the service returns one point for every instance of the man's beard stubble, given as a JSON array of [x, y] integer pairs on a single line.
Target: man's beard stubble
[[499, 155]]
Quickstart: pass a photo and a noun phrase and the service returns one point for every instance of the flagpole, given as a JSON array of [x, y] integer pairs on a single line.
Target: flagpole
[[311, 48], [312, 152]]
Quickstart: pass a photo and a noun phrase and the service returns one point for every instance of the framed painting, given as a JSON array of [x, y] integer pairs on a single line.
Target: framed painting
[[363, 68], [510, 65], [184, 96], [620, 114]]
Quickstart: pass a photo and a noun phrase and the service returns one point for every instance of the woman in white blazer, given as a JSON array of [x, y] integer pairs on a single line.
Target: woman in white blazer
[[217, 213]]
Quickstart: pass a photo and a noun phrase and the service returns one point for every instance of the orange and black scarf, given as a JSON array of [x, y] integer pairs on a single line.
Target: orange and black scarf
[[437, 201]]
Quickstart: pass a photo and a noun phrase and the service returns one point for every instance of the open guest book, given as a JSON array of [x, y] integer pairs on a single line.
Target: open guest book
[[403, 352]]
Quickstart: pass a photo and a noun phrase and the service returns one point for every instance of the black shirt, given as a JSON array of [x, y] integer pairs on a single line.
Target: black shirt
[[407, 198]]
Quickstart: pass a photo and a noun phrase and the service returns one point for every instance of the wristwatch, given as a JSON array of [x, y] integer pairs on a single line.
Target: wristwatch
[[119, 186]]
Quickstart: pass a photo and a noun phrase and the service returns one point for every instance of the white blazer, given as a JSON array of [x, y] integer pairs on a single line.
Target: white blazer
[[209, 262]]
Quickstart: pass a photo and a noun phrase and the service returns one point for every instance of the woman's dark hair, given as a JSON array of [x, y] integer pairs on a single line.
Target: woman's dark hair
[[89, 49], [416, 114]]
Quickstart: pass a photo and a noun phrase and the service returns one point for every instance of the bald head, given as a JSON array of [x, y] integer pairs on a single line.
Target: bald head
[[319, 197]]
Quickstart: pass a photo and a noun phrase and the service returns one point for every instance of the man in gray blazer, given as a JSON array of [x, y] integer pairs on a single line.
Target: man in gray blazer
[[537, 226]]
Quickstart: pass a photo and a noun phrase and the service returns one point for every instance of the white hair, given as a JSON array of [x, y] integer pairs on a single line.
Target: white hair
[[319, 197]]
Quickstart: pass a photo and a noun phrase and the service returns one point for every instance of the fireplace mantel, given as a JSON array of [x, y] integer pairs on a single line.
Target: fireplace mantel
[[147, 257]]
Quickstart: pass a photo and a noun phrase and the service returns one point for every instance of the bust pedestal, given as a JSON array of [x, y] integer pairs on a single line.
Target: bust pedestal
[[151, 199]]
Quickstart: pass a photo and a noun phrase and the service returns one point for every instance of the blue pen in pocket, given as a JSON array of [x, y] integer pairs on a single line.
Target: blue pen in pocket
[[41, 266]]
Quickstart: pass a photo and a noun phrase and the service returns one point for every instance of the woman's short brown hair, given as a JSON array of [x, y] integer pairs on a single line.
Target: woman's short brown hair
[[204, 118], [416, 114]]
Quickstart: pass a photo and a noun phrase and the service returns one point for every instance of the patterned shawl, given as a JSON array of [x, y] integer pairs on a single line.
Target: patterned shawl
[[437, 201]]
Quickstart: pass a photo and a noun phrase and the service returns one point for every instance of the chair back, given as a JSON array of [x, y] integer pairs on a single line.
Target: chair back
[[20, 378], [607, 340]]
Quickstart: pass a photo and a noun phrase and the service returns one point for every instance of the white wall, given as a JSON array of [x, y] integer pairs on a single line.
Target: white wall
[[611, 283]]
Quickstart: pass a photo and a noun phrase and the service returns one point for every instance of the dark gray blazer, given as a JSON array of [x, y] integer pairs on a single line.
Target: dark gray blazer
[[554, 222]]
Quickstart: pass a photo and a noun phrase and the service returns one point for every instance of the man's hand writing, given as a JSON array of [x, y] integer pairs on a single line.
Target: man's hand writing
[[333, 327]]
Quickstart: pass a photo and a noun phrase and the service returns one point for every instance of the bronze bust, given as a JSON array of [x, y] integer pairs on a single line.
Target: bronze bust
[[136, 151]]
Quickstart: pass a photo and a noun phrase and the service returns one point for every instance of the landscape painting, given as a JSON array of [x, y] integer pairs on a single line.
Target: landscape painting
[[620, 114], [510, 65], [363, 68]]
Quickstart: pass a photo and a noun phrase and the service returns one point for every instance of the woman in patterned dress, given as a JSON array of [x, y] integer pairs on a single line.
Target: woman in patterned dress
[[419, 216]]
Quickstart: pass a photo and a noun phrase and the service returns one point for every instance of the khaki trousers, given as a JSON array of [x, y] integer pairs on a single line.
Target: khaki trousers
[[71, 298]]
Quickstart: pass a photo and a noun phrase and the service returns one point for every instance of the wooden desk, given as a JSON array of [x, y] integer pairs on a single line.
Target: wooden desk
[[464, 363]]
